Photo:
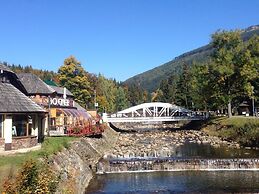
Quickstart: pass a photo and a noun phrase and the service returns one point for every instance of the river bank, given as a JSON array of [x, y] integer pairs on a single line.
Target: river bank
[[162, 143], [77, 164], [243, 130], [72, 160]]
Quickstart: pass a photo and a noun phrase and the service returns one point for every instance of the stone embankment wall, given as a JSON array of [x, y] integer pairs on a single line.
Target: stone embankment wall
[[77, 164], [20, 142], [173, 164], [138, 126]]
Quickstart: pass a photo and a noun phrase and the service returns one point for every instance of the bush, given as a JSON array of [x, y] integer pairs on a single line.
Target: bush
[[32, 178], [245, 132]]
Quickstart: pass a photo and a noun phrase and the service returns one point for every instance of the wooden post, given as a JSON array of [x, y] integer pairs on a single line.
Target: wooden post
[[27, 128], [8, 131]]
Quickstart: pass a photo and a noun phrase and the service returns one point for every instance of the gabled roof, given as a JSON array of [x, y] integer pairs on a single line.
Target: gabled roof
[[14, 101], [244, 104], [60, 90], [50, 82], [34, 85], [12, 77], [5, 68]]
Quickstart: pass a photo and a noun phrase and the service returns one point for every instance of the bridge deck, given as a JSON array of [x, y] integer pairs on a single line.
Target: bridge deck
[[152, 119]]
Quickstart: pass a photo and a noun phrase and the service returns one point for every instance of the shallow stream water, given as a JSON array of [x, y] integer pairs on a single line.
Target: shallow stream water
[[185, 181], [177, 182]]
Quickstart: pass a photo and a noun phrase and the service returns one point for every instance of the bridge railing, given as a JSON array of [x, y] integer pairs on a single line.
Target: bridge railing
[[136, 118], [180, 115]]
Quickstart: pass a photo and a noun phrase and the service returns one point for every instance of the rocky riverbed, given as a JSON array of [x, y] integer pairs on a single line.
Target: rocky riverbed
[[162, 142]]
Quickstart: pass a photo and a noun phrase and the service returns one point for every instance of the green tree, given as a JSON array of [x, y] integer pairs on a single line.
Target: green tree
[[73, 76], [169, 89], [107, 89], [134, 95], [227, 46], [202, 89], [249, 66], [235, 68], [164, 87], [183, 96], [121, 99]]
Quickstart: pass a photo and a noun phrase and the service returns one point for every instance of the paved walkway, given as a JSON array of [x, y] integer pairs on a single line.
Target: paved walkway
[[20, 151]]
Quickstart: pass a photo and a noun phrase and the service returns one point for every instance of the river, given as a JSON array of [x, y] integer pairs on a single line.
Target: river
[[177, 182], [184, 181]]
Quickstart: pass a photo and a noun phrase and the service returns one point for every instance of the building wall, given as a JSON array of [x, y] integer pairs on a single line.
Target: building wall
[[1, 125], [1, 143], [8, 141], [24, 142]]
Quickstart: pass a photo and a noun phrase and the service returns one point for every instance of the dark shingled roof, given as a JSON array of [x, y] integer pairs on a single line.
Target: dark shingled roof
[[12, 77], [14, 101], [60, 90], [5, 68], [34, 85]]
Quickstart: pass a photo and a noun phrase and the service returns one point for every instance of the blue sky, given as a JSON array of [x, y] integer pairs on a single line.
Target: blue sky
[[118, 38]]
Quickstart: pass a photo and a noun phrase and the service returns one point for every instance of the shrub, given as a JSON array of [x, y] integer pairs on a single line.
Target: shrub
[[32, 178], [247, 134]]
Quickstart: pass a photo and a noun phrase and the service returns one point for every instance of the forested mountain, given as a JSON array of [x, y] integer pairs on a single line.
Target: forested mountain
[[151, 79]]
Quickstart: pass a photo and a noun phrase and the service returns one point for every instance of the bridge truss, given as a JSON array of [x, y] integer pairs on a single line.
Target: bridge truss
[[155, 112]]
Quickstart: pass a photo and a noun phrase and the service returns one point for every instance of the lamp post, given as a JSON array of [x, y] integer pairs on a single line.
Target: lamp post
[[253, 101], [95, 103], [49, 115]]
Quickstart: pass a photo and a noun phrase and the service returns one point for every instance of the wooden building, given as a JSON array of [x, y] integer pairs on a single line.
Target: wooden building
[[21, 119], [64, 112]]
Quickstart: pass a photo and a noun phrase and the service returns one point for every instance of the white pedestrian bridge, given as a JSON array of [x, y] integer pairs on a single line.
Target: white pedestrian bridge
[[154, 112]]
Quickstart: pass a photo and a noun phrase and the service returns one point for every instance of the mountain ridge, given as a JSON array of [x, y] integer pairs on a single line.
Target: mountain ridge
[[150, 79]]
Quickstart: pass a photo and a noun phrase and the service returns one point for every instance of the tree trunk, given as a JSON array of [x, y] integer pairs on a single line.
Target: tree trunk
[[229, 109]]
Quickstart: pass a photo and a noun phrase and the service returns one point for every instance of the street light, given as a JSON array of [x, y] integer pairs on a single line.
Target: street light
[[95, 103], [253, 101]]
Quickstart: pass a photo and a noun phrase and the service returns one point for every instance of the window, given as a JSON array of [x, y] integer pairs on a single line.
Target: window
[[22, 125], [4, 78]]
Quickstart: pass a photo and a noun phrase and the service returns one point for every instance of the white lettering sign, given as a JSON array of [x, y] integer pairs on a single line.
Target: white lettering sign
[[59, 102]]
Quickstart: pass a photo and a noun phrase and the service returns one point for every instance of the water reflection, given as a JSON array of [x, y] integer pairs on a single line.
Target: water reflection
[[175, 182], [185, 181], [207, 151]]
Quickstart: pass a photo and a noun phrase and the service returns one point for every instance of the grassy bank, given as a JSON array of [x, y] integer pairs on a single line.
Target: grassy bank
[[244, 130], [10, 164]]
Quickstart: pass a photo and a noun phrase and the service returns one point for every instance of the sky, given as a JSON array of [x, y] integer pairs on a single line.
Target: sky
[[117, 38]]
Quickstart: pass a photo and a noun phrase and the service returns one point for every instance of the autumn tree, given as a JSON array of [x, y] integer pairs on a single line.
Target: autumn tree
[[73, 76]]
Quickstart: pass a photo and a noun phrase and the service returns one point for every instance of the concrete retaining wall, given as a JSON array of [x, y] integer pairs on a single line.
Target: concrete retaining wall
[[174, 164]]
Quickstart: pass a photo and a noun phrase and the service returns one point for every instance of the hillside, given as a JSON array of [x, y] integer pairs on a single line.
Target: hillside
[[150, 80]]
